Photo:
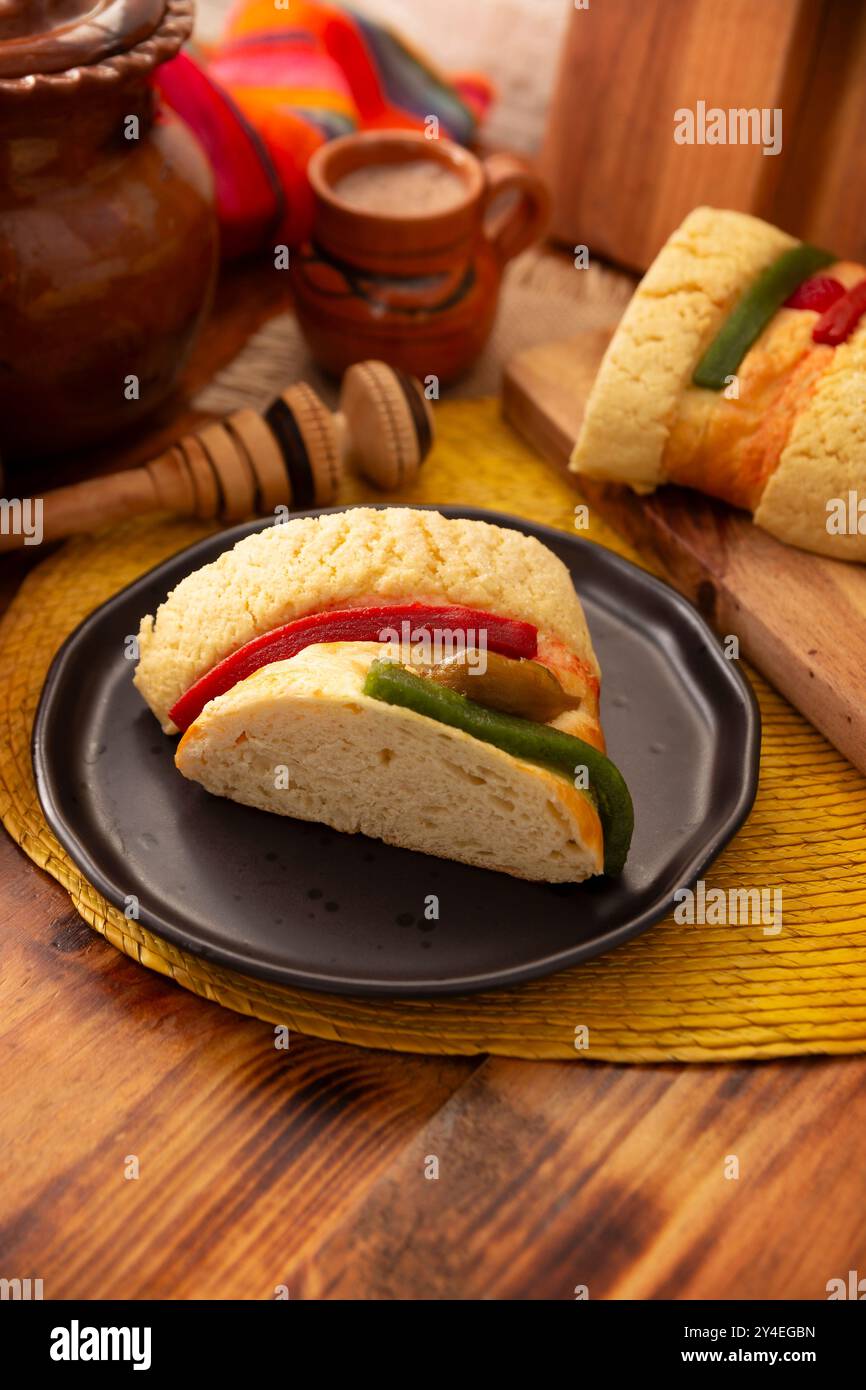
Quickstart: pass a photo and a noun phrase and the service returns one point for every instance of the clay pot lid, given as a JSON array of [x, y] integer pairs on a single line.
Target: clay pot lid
[[51, 44]]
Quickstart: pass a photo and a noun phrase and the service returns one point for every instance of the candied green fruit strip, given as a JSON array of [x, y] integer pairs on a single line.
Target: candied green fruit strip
[[522, 738], [748, 319]]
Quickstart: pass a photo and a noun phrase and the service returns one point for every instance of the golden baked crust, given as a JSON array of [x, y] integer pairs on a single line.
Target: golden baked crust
[[674, 314], [730, 447], [825, 458], [363, 555]]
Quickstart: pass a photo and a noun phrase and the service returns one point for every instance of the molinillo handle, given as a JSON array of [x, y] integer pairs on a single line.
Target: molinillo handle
[[249, 464]]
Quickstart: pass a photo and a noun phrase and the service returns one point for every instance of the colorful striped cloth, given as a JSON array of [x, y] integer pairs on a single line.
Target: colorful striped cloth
[[284, 79]]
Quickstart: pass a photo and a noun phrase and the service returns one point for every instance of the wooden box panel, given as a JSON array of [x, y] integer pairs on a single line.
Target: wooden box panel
[[621, 183]]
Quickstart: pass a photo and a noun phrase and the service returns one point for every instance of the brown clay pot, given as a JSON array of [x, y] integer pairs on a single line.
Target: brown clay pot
[[108, 244], [418, 291]]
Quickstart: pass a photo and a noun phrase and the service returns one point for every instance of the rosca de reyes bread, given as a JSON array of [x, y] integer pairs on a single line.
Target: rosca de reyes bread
[[429, 682], [739, 368]]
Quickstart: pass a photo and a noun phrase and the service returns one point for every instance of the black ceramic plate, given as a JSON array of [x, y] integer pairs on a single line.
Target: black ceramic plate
[[308, 906]]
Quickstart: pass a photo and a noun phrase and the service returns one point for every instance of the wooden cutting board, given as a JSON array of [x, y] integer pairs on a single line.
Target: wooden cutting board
[[799, 618]]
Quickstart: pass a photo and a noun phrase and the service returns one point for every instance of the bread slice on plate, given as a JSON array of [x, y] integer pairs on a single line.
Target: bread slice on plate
[[426, 681], [300, 738]]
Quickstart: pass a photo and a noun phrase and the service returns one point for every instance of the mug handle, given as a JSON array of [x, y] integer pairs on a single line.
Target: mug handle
[[514, 228]]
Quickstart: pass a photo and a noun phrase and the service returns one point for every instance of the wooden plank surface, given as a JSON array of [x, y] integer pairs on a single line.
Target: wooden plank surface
[[260, 1168], [801, 619], [307, 1168], [245, 1152], [618, 1180]]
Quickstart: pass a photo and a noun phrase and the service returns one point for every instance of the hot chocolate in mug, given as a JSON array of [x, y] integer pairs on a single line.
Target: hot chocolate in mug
[[409, 242]]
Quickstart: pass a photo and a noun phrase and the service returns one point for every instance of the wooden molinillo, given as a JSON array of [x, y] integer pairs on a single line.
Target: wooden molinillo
[[249, 464]]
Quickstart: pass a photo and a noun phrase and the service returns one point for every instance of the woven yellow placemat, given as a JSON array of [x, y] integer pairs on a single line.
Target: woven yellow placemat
[[686, 993]]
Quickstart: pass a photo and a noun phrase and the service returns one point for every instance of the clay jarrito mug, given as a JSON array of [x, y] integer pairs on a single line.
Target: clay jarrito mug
[[416, 289]]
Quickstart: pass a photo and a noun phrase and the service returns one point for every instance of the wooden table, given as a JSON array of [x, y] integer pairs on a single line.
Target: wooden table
[[261, 1168]]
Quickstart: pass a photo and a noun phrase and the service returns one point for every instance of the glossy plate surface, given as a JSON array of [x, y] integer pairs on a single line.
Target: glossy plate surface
[[307, 906]]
